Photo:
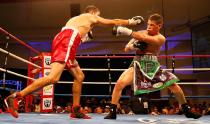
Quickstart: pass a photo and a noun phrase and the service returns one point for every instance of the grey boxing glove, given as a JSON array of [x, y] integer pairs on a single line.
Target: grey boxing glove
[[136, 20], [119, 30]]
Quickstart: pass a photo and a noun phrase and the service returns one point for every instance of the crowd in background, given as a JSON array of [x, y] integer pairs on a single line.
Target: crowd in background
[[131, 106]]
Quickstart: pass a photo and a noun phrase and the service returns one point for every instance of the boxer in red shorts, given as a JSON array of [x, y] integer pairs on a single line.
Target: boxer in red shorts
[[64, 46], [64, 49]]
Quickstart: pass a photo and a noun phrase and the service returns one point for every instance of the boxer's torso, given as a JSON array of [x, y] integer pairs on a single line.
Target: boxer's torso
[[152, 47], [83, 23]]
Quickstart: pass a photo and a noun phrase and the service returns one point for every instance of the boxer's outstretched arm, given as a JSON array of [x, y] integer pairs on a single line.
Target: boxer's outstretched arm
[[133, 21], [103, 21]]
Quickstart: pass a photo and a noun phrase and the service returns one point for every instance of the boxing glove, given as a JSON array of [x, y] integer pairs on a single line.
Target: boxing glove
[[87, 37], [119, 30], [136, 20], [140, 45]]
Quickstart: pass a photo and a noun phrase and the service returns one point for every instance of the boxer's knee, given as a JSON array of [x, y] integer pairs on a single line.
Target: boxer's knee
[[80, 77], [52, 79], [175, 88]]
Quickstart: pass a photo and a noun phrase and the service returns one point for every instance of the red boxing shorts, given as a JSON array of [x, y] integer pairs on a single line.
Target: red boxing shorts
[[65, 45]]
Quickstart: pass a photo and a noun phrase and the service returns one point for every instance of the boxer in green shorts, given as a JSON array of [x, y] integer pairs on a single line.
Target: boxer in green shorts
[[145, 73]]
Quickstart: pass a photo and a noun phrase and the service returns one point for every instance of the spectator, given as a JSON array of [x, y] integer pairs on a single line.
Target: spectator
[[59, 109], [155, 111], [68, 109], [165, 110], [126, 110], [1, 104], [37, 107], [208, 110], [204, 108], [171, 110], [106, 110], [99, 110], [86, 110]]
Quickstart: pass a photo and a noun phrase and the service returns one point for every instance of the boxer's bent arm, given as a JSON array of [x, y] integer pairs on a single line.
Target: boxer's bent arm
[[147, 38], [131, 41], [104, 21], [129, 46]]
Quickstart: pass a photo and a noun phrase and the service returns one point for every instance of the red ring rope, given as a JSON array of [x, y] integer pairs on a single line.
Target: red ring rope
[[160, 56], [18, 40]]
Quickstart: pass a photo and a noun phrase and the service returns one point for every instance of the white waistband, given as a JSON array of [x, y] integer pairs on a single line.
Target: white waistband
[[70, 28]]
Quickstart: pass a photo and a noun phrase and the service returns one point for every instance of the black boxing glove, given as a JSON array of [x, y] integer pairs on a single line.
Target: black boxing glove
[[87, 37], [90, 34], [140, 45]]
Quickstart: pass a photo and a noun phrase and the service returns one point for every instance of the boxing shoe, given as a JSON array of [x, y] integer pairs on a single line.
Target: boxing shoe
[[76, 113], [11, 103], [188, 113], [112, 114]]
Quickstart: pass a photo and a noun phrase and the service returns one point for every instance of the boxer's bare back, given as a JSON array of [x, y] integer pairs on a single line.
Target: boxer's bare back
[[83, 23]]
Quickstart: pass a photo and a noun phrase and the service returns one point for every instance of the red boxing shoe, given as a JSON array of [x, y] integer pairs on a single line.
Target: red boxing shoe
[[12, 104]]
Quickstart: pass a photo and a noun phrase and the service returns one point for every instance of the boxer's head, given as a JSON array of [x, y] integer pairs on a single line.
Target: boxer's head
[[154, 23], [92, 10]]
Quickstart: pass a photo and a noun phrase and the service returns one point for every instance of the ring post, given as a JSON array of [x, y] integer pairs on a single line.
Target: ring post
[[47, 93]]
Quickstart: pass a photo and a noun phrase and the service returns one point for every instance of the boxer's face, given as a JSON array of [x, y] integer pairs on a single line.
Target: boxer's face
[[97, 13], [152, 27]]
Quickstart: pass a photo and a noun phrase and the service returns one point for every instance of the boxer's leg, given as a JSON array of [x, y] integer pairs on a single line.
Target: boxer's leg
[[178, 93], [77, 85], [53, 77], [78, 76], [125, 79]]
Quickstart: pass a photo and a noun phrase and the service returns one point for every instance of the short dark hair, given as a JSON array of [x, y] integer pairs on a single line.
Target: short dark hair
[[91, 8], [157, 18]]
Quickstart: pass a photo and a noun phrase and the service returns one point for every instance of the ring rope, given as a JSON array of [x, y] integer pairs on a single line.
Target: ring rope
[[70, 82], [20, 75], [19, 58], [189, 69], [176, 69], [167, 96], [18, 40], [14, 73], [91, 69], [127, 96], [131, 56], [184, 83], [98, 83], [197, 83]]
